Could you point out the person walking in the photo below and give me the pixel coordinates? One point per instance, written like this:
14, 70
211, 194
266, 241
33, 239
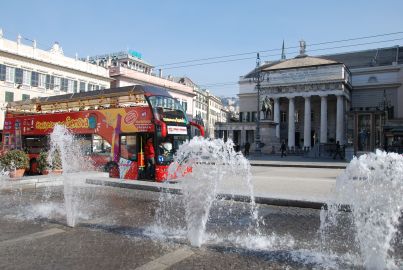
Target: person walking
247, 147
149, 154
338, 151
283, 149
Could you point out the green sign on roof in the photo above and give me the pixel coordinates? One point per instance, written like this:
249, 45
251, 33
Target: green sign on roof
135, 54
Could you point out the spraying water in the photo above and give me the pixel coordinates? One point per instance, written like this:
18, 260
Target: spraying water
63, 143
201, 165
372, 186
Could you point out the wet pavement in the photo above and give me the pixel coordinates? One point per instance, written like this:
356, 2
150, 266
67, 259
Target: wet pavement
115, 231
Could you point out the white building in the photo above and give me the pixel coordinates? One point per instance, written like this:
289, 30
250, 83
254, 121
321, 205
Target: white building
208, 109
27, 72
355, 98
215, 114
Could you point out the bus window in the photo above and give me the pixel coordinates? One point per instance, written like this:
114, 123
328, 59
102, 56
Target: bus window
34, 145
128, 147
100, 146
7, 141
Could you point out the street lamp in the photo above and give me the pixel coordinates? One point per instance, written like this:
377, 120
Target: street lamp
257, 78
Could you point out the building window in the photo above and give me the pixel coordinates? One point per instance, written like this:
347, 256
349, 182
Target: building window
18, 76
253, 116
9, 97
296, 117
75, 87
90, 87
312, 116
240, 116
25, 97
184, 106
2, 72
283, 117
34, 79
10, 74
70, 86
64, 84
42, 81
50, 82
82, 86
57, 83
26, 78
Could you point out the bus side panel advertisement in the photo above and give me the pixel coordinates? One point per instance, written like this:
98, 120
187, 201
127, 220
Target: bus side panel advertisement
102, 122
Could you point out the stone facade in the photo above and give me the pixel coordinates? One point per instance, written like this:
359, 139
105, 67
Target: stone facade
350, 98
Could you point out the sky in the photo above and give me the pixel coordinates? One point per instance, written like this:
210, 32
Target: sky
172, 31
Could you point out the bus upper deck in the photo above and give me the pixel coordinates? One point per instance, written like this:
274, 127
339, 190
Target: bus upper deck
112, 123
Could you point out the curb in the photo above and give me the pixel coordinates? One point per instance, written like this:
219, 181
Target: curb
239, 198
299, 165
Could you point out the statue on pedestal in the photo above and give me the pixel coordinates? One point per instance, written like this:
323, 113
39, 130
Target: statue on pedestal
266, 108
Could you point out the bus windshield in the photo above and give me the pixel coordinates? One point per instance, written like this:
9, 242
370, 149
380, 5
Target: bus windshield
167, 107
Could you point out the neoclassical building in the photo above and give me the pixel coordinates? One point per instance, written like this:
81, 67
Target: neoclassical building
312, 102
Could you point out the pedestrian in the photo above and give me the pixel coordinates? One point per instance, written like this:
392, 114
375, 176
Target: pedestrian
150, 158
338, 151
237, 147
283, 149
247, 146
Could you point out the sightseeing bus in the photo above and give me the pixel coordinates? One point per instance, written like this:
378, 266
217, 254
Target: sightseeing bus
111, 125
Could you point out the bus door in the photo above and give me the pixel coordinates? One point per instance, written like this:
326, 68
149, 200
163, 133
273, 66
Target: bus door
141, 161
33, 145
128, 165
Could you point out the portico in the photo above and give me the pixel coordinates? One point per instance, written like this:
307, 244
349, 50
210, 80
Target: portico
308, 99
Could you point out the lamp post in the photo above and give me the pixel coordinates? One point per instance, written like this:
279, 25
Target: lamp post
257, 78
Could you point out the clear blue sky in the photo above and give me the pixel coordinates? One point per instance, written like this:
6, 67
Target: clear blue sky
173, 31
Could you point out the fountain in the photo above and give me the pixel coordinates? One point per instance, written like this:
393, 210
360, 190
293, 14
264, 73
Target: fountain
201, 216
201, 165
74, 163
372, 187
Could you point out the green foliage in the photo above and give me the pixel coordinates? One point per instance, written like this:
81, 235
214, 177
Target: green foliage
15, 159
45, 164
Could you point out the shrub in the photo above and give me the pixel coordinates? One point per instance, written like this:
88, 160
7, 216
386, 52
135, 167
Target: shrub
15, 159
45, 164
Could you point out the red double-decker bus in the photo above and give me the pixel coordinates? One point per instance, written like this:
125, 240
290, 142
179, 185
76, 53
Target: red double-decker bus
112, 125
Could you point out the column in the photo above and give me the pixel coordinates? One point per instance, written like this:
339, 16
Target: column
277, 116
291, 122
307, 123
243, 136
340, 120
323, 119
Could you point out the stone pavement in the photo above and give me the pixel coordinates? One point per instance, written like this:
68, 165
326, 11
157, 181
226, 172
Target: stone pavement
115, 231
